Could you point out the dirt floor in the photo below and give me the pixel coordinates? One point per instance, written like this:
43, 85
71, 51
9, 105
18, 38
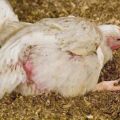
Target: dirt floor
93, 106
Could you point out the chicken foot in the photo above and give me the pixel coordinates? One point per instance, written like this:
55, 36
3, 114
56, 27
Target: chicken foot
113, 85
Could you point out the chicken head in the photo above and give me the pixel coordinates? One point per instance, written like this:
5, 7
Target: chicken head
111, 33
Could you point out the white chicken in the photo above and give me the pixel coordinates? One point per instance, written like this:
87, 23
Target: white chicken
65, 55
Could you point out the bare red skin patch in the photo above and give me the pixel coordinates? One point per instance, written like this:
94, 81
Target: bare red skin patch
28, 69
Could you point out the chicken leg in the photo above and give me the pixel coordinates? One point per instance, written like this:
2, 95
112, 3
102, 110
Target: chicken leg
113, 85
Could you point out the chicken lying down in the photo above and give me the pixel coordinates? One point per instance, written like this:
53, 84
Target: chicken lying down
65, 55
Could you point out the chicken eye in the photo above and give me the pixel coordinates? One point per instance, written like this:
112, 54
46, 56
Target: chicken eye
118, 39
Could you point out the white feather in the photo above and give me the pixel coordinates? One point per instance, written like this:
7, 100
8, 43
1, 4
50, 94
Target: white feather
6, 12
